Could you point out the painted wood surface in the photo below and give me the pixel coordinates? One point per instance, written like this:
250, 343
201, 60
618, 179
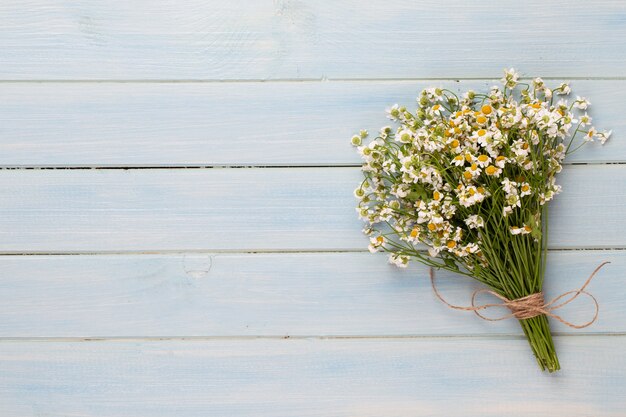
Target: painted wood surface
464, 377
247, 292
247, 209
287, 39
291, 123
299, 294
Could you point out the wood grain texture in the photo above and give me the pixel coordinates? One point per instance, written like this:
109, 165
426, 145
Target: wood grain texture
165, 124
339, 333
315, 294
246, 209
239, 39
470, 377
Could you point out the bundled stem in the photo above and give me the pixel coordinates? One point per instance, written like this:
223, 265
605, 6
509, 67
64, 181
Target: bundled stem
537, 331
516, 266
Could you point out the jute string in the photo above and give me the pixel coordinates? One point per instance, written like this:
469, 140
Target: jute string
527, 307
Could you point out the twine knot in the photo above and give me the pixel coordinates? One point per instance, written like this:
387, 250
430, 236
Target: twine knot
530, 306
526, 307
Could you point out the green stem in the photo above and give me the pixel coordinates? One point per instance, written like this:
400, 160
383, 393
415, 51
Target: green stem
537, 331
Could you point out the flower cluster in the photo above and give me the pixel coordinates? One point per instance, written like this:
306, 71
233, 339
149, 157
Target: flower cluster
464, 175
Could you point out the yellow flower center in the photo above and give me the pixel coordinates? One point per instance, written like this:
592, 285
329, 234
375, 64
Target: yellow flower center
482, 132
467, 175
432, 227
455, 143
481, 119
486, 109
468, 157
436, 107
436, 195
490, 170
483, 158
414, 233
451, 244
525, 188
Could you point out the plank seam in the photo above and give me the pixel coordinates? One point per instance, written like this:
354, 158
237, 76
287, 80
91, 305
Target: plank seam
252, 252
94, 339
220, 166
294, 80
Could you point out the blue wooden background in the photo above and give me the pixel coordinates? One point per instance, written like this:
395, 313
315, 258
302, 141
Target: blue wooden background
177, 228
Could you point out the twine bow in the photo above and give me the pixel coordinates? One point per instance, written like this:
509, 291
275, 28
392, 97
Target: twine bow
529, 306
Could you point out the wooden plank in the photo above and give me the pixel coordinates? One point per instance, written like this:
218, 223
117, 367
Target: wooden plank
323, 294
449, 377
218, 40
307, 123
246, 210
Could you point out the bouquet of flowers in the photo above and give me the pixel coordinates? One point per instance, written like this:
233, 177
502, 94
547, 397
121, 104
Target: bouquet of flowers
463, 184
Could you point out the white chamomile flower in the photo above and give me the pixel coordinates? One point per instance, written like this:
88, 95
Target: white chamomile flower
538, 83
436, 109
475, 221
604, 136
525, 189
590, 135
469, 95
563, 89
510, 78
581, 103
404, 135
433, 93
524, 230
399, 260
393, 112
493, 171
385, 131
472, 171
483, 160
376, 244
364, 213
458, 160
513, 200
472, 248
414, 235
356, 140
547, 93
585, 120
359, 193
